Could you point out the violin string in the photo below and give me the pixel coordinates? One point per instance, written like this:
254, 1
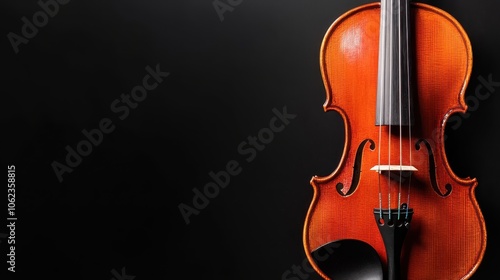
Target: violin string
400, 88
391, 59
382, 85
407, 13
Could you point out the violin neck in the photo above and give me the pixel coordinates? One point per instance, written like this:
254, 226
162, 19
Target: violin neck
394, 65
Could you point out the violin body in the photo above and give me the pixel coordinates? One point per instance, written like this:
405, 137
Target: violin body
447, 236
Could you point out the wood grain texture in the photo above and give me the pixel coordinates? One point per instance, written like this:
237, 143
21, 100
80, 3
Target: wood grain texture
447, 237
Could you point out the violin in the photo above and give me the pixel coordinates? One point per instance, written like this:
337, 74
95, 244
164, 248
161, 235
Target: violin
393, 209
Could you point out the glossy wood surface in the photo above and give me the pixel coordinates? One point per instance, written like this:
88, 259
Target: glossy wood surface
447, 237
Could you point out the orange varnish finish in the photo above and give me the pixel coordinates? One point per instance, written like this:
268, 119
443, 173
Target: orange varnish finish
447, 236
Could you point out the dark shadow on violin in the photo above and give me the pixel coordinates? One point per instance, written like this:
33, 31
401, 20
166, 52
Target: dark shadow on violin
349, 259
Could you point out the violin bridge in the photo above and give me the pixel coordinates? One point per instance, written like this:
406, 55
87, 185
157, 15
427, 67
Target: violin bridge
395, 167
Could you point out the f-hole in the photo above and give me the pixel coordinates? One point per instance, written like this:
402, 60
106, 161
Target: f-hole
357, 169
432, 169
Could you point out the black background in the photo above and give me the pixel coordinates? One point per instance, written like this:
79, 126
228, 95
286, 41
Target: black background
117, 211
